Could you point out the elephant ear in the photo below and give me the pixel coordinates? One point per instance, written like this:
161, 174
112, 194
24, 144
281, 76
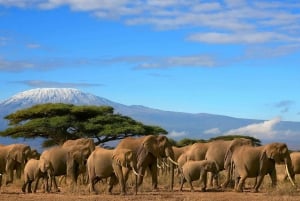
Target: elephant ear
16, 155
262, 160
148, 146
270, 150
122, 157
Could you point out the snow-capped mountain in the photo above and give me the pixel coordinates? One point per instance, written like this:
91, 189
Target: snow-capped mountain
178, 124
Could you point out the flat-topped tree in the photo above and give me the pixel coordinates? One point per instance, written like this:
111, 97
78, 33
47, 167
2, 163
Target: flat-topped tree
58, 122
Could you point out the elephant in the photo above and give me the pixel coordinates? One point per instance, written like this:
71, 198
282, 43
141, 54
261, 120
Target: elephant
85, 142
147, 150
256, 162
215, 151
295, 157
66, 161
193, 170
13, 157
33, 171
106, 163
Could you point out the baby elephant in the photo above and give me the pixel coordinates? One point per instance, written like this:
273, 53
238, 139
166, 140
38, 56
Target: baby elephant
33, 171
193, 170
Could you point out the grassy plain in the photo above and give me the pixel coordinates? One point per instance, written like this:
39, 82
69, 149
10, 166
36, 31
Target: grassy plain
283, 192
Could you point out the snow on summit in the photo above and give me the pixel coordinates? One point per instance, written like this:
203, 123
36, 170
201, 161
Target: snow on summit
53, 95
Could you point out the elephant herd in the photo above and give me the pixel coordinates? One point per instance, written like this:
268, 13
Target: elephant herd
142, 156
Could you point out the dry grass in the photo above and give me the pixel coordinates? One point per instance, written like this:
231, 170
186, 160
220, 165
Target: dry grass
284, 191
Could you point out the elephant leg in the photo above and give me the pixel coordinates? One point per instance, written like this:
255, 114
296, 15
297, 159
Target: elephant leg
92, 183
46, 184
240, 183
0, 180
53, 180
259, 181
191, 186
24, 187
36, 184
119, 174
211, 180
182, 181
153, 169
227, 178
29, 187
10, 177
203, 179
273, 177
215, 179
112, 181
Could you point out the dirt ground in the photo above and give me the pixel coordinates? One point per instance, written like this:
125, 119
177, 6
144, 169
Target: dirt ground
283, 192
12, 193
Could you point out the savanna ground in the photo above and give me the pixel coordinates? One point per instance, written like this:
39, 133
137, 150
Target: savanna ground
283, 192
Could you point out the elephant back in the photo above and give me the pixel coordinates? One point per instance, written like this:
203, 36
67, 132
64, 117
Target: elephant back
85, 142
130, 143
57, 156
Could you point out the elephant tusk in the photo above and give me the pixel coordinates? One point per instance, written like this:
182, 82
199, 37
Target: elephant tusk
174, 162
137, 174
166, 164
158, 166
289, 175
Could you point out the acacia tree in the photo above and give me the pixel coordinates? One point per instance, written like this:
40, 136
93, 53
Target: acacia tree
58, 122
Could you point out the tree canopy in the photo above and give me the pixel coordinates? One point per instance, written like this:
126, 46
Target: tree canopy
58, 122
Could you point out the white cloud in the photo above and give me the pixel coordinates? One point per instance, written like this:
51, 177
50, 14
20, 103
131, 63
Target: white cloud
264, 130
178, 61
213, 131
177, 134
255, 37
221, 22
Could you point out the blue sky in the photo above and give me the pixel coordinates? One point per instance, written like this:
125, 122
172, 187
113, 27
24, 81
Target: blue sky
232, 57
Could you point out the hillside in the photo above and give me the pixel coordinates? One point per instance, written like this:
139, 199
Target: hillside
178, 124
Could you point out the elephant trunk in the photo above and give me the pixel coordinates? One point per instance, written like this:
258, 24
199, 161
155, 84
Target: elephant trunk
289, 170
170, 155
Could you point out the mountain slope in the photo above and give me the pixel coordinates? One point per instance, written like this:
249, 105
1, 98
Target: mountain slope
178, 124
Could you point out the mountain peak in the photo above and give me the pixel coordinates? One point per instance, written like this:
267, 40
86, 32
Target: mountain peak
53, 95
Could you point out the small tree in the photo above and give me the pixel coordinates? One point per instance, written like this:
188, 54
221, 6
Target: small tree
58, 122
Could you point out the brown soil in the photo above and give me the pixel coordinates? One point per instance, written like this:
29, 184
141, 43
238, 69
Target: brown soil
12, 193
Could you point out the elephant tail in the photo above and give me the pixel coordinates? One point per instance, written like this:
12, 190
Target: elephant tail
227, 159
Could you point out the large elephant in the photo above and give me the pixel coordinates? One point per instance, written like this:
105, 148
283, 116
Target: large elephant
33, 171
256, 162
215, 151
193, 170
106, 163
66, 161
147, 150
13, 157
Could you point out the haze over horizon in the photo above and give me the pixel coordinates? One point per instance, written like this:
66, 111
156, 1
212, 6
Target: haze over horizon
234, 58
